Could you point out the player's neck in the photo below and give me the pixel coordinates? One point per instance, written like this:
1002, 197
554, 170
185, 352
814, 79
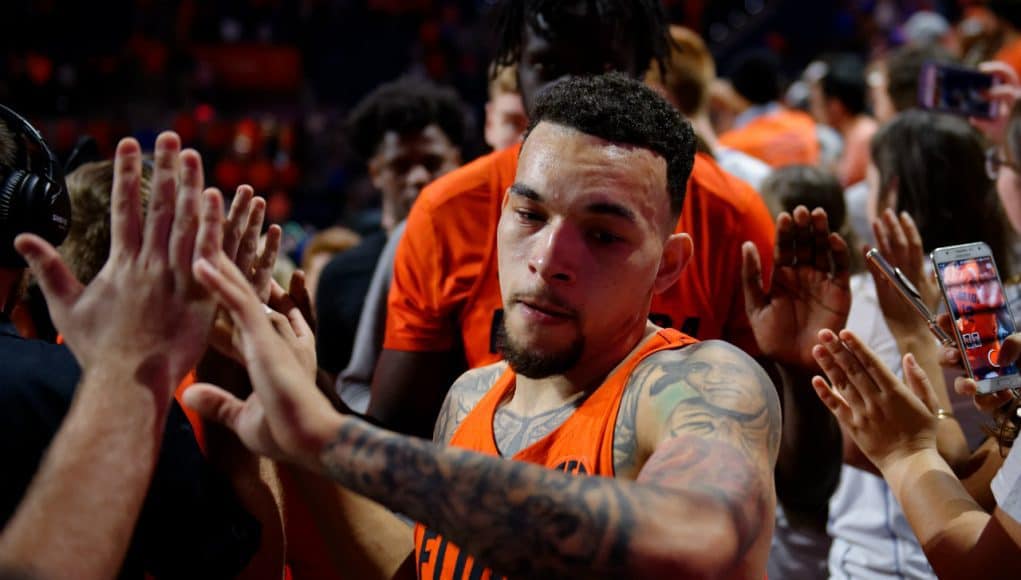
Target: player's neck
537, 395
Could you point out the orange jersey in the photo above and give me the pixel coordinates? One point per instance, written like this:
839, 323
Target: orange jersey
445, 292
783, 137
581, 445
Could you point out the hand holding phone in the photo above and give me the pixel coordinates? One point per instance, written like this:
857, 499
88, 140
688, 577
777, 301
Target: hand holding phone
982, 321
907, 292
956, 90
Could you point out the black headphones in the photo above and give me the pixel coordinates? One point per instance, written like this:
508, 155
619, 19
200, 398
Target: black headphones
33, 194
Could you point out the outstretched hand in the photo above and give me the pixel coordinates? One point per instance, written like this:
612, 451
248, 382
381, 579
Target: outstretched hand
143, 314
887, 419
898, 240
286, 417
810, 287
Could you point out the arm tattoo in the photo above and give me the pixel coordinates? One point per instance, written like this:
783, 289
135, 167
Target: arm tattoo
625, 432
721, 415
462, 397
524, 520
519, 519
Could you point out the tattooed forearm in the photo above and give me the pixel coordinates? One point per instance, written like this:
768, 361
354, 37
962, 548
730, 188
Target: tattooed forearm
520, 519
716, 469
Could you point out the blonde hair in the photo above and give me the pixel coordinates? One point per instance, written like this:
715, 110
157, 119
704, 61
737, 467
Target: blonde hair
88, 241
332, 240
689, 72
503, 80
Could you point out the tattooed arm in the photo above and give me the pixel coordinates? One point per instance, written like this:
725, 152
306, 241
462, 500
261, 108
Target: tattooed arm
462, 397
702, 506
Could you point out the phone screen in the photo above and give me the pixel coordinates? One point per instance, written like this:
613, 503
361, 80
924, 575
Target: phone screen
957, 90
978, 306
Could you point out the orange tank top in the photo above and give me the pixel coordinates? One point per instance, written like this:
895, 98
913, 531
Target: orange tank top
581, 445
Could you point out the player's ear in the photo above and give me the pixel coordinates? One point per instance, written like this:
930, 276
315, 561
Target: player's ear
677, 253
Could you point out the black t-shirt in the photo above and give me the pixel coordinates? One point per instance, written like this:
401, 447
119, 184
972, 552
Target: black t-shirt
340, 297
191, 525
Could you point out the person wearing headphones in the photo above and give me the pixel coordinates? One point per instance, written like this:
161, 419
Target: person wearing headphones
87, 407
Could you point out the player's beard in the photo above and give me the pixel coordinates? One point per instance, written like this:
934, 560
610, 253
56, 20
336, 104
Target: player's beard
537, 364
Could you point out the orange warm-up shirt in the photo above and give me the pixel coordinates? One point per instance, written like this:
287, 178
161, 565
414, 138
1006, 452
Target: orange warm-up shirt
445, 291
782, 137
582, 445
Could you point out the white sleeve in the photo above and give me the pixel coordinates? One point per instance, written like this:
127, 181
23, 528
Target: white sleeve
1006, 483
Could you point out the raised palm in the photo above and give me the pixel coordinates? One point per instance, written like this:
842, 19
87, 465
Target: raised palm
810, 288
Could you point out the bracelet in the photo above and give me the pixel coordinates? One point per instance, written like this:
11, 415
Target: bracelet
944, 414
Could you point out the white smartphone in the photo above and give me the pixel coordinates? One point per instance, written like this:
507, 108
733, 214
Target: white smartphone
975, 299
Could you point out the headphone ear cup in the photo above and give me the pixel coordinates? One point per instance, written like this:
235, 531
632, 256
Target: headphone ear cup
33, 204
10, 218
9, 200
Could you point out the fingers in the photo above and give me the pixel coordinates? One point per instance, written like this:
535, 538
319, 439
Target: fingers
1010, 349
302, 298
992, 401
214, 404
209, 239
237, 220
832, 399
299, 324
803, 241
249, 248
914, 237
896, 237
162, 198
182, 235
1003, 71
784, 252
266, 261
230, 288
755, 298
825, 355
946, 324
841, 255
881, 376
126, 200
58, 284
820, 240
919, 382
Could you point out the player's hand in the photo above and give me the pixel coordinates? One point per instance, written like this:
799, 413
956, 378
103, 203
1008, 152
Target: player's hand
887, 419
144, 314
898, 240
286, 417
810, 287
241, 245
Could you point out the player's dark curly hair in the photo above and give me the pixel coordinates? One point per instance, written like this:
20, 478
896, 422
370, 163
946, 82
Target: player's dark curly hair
405, 105
643, 20
620, 109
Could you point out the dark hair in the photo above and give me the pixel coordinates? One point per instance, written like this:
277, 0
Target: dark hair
404, 106
617, 108
845, 81
755, 75
936, 164
903, 68
643, 20
1008, 10
1012, 139
792, 185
